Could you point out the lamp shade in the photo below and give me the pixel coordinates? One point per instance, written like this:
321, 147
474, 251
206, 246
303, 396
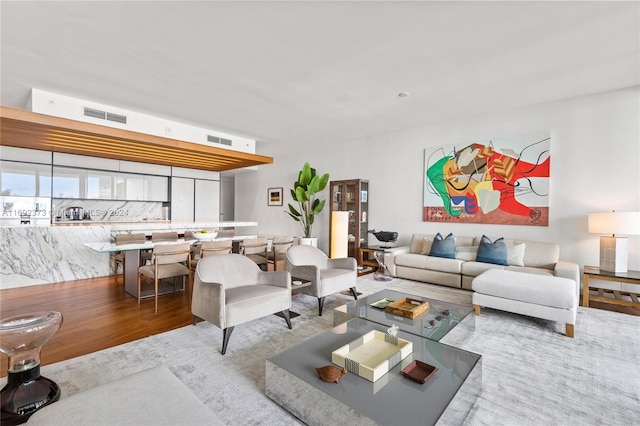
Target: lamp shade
339, 234
622, 223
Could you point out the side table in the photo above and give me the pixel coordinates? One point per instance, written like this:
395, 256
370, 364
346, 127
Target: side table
363, 256
630, 277
377, 262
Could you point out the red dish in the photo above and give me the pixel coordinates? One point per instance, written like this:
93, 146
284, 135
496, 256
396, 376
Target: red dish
418, 371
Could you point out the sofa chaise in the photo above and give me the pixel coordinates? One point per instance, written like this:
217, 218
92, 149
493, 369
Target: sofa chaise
528, 278
413, 262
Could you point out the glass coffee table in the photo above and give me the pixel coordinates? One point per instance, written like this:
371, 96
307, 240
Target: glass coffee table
448, 395
433, 324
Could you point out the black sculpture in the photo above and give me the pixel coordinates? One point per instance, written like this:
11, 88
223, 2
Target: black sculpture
385, 236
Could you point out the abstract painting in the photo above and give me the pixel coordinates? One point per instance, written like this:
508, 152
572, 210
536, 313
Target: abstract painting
499, 181
274, 196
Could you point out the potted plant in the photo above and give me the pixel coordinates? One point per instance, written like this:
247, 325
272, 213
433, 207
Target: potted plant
304, 192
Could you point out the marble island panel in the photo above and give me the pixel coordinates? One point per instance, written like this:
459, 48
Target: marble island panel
44, 254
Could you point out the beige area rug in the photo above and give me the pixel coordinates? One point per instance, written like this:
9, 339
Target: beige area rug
532, 373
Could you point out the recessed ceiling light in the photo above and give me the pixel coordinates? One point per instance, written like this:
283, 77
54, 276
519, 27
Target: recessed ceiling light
403, 94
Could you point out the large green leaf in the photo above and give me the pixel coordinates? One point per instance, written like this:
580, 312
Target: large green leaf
305, 175
317, 209
301, 195
313, 185
296, 218
293, 212
324, 180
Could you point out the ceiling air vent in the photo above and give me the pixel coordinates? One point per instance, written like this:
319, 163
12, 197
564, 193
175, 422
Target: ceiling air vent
216, 139
95, 113
118, 118
103, 115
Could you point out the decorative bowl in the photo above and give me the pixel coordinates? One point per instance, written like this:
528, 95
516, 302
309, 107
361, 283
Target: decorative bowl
205, 236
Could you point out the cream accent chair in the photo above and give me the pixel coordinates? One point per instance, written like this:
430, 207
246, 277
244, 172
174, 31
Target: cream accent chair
168, 260
279, 247
230, 289
256, 250
327, 276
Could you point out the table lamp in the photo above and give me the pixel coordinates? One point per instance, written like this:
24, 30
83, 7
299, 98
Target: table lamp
613, 249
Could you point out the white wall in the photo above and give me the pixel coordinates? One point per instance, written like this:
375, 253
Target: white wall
595, 166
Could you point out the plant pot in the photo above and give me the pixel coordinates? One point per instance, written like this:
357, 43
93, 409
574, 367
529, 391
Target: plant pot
313, 241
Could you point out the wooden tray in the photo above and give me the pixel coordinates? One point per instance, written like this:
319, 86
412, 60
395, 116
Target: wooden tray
372, 355
407, 307
418, 371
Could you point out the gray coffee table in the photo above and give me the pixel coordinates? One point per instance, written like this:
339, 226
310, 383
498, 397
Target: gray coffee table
433, 324
292, 382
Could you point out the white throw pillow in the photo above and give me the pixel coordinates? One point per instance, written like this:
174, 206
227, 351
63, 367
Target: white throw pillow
515, 254
467, 253
426, 245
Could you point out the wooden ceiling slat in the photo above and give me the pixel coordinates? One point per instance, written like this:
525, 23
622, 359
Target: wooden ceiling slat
24, 129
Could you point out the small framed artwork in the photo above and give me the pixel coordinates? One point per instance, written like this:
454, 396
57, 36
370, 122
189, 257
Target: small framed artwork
274, 196
363, 196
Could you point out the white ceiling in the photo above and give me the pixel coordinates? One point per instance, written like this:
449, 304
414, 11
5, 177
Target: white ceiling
317, 72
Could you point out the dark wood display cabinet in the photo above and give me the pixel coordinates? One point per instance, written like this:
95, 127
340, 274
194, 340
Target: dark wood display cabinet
353, 196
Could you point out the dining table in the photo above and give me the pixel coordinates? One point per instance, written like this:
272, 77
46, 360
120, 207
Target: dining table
132, 260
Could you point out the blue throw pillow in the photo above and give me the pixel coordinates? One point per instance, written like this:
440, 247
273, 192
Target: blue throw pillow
443, 247
492, 252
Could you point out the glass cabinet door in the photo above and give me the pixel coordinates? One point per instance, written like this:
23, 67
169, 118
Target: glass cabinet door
99, 185
68, 182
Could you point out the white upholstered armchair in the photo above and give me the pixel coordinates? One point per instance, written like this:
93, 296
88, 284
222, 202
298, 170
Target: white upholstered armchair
327, 276
230, 289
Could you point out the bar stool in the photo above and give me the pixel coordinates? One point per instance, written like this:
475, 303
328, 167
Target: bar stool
21, 339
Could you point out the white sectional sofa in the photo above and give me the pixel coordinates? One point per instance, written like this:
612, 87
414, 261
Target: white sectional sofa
413, 262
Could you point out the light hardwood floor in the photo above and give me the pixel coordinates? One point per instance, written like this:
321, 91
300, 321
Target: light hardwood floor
97, 314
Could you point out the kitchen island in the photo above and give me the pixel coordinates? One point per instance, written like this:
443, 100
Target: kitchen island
45, 254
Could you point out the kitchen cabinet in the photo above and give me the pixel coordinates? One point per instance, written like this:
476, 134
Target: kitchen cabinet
103, 185
182, 199
207, 200
353, 196
156, 188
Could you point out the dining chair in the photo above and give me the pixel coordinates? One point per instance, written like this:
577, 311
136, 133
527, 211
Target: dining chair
168, 260
212, 248
327, 276
226, 233
230, 289
158, 237
119, 257
279, 246
195, 248
256, 250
